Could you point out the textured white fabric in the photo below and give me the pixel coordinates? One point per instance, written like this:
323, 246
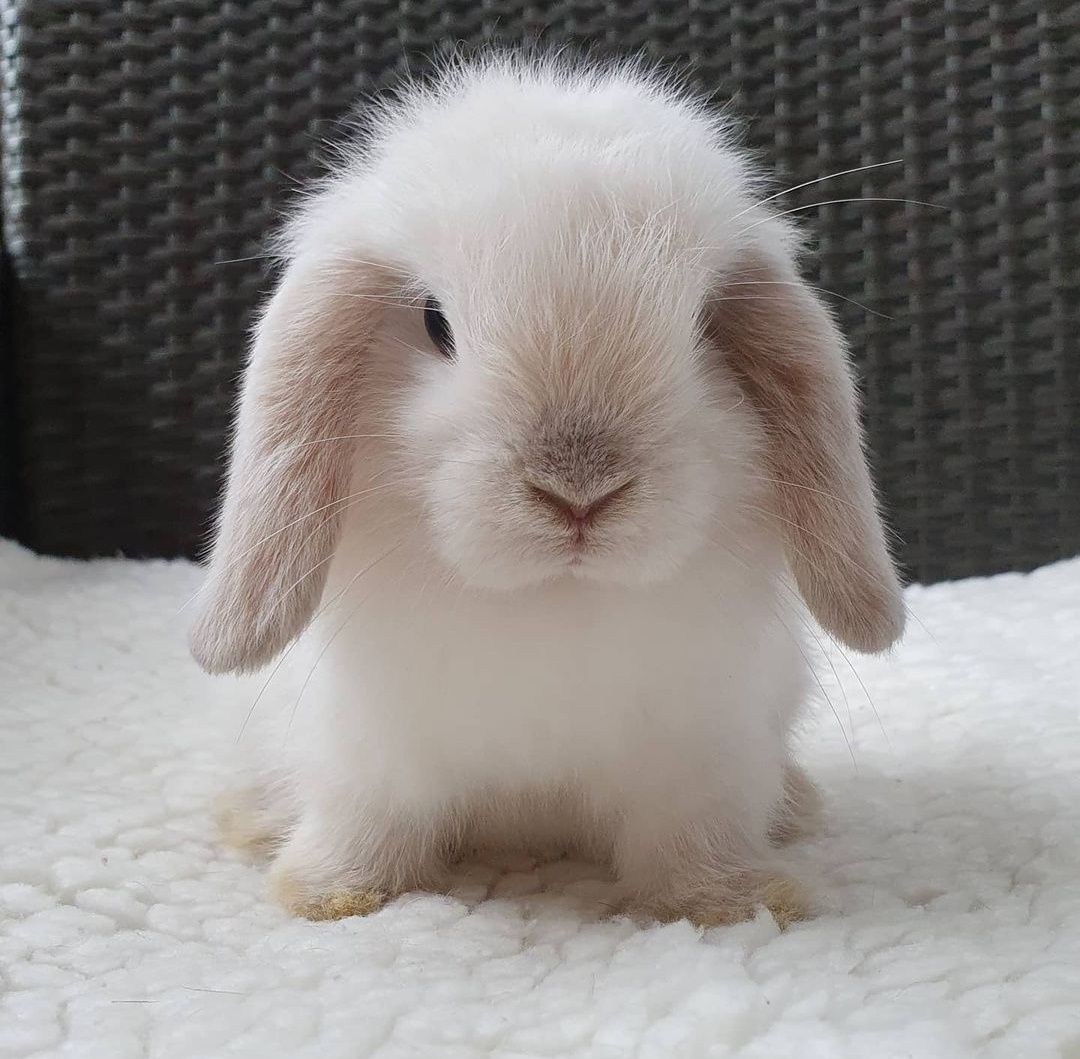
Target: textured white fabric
950, 856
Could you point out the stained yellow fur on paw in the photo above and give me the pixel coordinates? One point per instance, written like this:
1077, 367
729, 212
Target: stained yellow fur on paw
340, 904
738, 899
786, 900
719, 913
335, 904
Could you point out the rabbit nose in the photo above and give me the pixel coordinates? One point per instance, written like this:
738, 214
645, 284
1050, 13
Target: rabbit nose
575, 512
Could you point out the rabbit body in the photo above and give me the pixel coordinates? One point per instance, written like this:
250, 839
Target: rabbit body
644, 727
544, 451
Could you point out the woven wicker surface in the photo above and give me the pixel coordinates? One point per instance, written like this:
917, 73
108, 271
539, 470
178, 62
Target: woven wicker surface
148, 145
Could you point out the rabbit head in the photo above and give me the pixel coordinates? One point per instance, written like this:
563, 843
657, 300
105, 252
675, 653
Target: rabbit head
586, 348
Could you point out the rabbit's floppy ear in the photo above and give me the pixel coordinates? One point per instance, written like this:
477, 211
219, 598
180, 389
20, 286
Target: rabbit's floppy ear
783, 348
291, 464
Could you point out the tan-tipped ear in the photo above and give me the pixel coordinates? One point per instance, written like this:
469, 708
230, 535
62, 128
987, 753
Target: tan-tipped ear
791, 361
280, 516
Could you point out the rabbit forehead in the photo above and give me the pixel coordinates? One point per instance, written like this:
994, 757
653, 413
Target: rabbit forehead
531, 110
508, 152
517, 203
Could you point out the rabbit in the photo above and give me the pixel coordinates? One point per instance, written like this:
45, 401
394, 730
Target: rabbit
547, 455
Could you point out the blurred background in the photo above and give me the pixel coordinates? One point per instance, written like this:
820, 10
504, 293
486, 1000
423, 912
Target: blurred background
148, 147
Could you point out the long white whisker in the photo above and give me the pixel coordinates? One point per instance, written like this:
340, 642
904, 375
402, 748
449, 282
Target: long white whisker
837, 202
240, 260
346, 437
821, 687
796, 597
337, 632
865, 690
835, 548
289, 525
314, 618
807, 488
798, 646
816, 180
811, 286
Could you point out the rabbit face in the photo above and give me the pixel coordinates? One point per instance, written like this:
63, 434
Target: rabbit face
567, 419
621, 364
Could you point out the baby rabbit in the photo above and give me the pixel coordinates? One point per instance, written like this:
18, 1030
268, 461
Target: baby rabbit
549, 449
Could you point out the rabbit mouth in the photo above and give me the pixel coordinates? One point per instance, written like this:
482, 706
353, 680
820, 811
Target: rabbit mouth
577, 552
583, 555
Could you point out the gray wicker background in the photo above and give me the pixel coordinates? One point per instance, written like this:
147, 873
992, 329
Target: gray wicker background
149, 144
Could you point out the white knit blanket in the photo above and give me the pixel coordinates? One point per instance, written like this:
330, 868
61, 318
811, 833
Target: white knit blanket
951, 856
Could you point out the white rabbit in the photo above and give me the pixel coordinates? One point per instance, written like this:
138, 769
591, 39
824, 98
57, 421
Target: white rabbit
539, 433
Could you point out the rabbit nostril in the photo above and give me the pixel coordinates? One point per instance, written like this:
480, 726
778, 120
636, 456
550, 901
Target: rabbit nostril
573, 512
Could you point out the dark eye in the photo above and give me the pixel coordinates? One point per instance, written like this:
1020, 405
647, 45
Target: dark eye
438, 329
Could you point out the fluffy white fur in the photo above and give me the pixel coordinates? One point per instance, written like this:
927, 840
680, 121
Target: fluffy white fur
479, 670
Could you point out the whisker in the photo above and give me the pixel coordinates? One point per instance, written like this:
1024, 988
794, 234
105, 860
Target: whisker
240, 260
344, 259
807, 488
281, 661
821, 687
743, 298
382, 299
823, 651
289, 525
844, 655
798, 646
865, 690
836, 549
816, 180
347, 437
281, 598
337, 632
796, 596
837, 202
810, 286
918, 621
266, 684
409, 346
303, 577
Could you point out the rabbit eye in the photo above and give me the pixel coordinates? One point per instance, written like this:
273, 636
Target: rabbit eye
438, 329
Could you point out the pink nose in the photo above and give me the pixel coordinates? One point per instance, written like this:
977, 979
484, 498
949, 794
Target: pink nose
573, 512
